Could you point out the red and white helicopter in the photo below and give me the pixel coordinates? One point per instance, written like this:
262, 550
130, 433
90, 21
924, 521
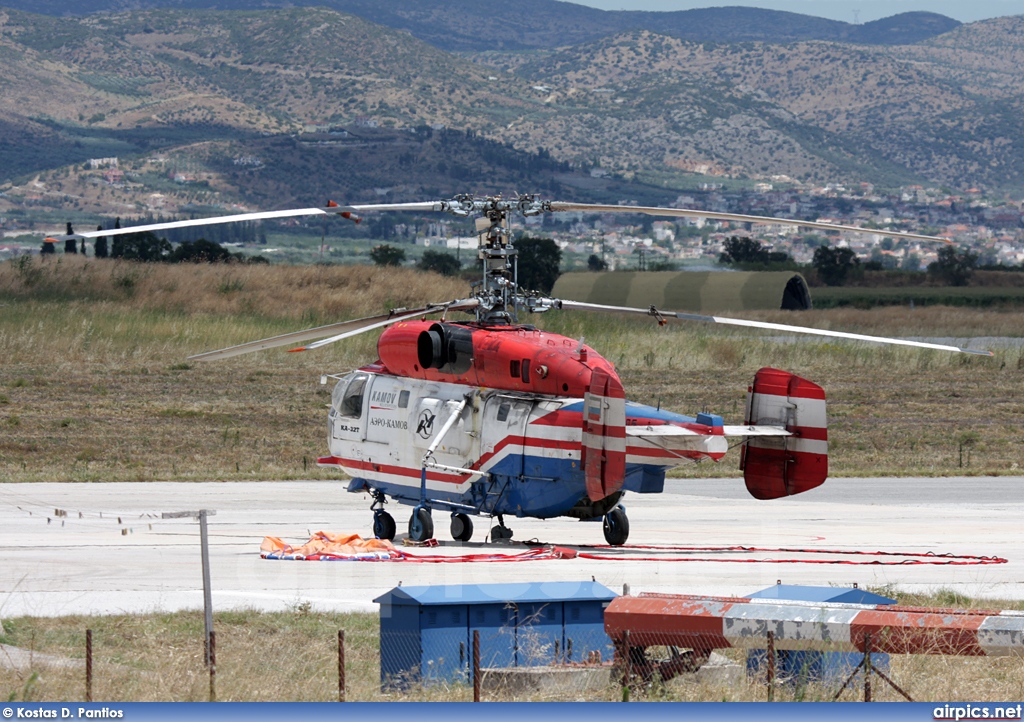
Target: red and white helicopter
492, 417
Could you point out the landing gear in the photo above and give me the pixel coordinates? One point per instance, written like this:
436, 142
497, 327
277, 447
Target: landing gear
383, 525
616, 527
500, 532
421, 525
462, 527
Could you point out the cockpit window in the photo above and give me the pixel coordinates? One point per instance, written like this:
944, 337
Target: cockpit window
352, 401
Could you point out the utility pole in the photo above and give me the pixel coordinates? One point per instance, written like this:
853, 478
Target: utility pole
204, 543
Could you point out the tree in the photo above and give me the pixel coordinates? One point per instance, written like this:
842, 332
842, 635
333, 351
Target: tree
596, 263
140, 247
48, 248
444, 263
743, 250
953, 266
739, 250
100, 245
200, 251
385, 255
834, 264
539, 261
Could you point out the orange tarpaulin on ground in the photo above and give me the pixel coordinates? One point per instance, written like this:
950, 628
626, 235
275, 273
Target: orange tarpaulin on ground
329, 545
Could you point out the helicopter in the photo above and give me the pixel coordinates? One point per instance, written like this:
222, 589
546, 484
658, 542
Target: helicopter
496, 418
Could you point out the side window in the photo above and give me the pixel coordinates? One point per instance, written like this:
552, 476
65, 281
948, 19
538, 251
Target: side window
503, 412
403, 399
352, 403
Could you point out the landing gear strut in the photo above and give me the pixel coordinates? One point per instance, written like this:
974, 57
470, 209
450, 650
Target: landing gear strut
500, 532
616, 526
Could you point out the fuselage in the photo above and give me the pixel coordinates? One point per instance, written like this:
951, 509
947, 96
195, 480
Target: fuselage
516, 446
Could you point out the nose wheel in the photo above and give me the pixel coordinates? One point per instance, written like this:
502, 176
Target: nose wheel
383, 525
616, 527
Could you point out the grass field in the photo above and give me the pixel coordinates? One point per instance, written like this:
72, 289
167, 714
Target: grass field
95, 386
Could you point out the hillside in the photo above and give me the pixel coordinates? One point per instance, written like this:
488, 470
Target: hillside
253, 107
472, 25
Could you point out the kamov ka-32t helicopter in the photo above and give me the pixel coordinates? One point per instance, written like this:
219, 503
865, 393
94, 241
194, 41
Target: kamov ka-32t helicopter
492, 417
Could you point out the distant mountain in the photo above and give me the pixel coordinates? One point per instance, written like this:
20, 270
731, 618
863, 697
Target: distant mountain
478, 25
246, 102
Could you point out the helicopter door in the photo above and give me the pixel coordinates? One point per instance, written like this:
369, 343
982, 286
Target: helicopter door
504, 430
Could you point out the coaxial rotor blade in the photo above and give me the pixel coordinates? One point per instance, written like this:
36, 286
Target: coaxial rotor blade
348, 328
559, 206
345, 211
453, 306
657, 313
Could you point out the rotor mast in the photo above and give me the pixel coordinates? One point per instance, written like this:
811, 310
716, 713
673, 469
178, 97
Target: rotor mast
498, 290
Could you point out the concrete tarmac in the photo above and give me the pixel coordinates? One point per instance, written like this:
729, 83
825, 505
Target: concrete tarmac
113, 552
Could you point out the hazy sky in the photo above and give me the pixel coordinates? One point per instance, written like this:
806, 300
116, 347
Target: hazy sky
961, 10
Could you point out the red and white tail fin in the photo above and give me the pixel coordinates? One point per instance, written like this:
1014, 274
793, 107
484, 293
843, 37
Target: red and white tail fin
777, 466
604, 435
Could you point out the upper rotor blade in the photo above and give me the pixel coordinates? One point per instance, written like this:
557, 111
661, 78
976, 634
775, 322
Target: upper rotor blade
771, 326
348, 328
215, 220
558, 206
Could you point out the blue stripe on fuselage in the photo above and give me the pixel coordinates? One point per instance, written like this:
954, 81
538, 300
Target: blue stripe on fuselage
641, 412
547, 488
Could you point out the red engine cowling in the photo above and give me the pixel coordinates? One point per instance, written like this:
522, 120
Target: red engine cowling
511, 358
777, 466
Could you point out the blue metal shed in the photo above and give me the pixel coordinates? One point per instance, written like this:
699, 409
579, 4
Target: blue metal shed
806, 666
426, 633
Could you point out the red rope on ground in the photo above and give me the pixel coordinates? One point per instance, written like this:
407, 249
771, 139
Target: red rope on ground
626, 554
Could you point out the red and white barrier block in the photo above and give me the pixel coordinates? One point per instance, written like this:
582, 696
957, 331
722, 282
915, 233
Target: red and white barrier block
706, 623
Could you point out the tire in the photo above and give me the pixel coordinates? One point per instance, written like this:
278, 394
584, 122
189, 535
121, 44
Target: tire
421, 526
500, 532
462, 528
384, 526
616, 527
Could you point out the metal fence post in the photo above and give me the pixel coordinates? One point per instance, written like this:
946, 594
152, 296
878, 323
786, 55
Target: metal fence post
476, 665
88, 665
771, 666
213, 665
341, 665
867, 667
627, 667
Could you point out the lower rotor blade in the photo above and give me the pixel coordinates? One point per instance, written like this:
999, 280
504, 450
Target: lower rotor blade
770, 326
347, 329
454, 306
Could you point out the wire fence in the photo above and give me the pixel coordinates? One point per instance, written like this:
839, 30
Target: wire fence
261, 663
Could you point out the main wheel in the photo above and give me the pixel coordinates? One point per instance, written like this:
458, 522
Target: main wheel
462, 527
616, 527
500, 532
421, 526
384, 525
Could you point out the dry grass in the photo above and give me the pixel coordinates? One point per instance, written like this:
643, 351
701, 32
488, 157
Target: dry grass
94, 385
292, 656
